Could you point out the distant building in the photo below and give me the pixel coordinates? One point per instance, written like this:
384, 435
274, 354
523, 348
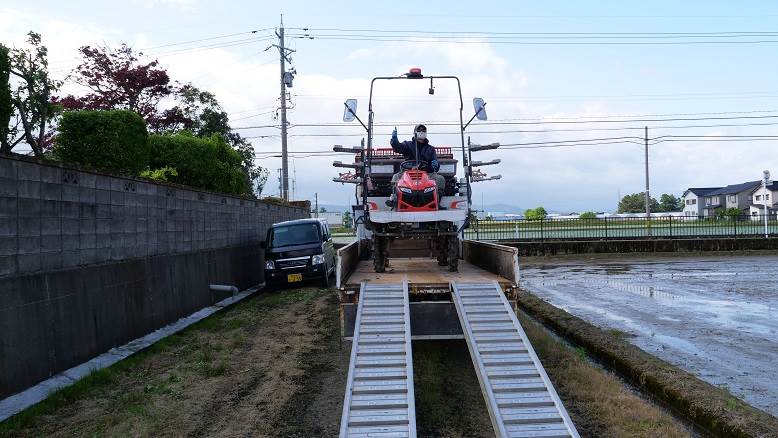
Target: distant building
760, 197
694, 200
732, 196
334, 219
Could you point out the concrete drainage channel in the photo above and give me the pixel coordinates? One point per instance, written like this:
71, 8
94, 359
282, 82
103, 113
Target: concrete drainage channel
33, 395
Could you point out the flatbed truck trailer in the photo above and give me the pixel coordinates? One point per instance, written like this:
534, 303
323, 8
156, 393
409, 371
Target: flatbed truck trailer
416, 299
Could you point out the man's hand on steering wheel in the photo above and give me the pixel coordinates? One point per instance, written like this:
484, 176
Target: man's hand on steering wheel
414, 164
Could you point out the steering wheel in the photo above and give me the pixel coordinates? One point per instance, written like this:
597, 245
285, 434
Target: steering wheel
414, 164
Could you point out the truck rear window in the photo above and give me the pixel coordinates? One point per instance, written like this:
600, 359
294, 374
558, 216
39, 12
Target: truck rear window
294, 235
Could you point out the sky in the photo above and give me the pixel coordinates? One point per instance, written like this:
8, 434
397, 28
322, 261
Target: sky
571, 80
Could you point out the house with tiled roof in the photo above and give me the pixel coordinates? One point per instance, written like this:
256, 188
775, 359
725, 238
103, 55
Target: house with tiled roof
762, 196
732, 196
693, 200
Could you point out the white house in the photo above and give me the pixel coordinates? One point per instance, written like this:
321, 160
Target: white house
694, 201
333, 218
760, 197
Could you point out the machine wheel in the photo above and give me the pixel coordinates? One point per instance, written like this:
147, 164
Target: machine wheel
453, 254
379, 253
442, 250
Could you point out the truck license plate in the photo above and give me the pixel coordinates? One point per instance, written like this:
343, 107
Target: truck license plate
291, 278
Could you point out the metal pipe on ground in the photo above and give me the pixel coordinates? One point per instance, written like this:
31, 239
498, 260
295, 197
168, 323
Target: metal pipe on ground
224, 288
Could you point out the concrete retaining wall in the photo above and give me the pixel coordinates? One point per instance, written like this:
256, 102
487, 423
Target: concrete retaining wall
91, 261
54, 217
52, 321
551, 248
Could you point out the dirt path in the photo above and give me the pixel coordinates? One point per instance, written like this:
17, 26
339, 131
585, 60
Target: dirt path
275, 365
249, 371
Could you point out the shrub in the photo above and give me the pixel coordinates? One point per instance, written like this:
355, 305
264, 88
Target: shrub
208, 163
161, 174
731, 212
114, 141
535, 214
588, 215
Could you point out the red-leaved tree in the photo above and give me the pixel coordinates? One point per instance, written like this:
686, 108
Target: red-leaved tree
117, 80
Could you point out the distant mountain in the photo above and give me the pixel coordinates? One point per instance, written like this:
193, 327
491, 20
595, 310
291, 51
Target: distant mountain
490, 208
499, 208
333, 207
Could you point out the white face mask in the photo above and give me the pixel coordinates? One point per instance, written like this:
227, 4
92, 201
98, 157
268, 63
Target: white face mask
421, 135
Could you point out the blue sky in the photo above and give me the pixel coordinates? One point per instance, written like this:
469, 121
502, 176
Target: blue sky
519, 81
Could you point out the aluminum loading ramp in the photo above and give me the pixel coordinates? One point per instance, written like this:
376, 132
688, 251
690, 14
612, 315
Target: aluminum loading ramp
521, 400
379, 399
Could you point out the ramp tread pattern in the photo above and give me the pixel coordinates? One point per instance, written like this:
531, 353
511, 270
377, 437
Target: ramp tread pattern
379, 399
520, 398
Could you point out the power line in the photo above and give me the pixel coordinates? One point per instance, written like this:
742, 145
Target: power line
625, 97
543, 122
180, 43
219, 45
568, 143
527, 43
253, 115
442, 32
213, 46
544, 131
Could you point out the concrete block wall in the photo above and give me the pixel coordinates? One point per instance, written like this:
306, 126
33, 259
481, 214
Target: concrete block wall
52, 321
54, 217
90, 261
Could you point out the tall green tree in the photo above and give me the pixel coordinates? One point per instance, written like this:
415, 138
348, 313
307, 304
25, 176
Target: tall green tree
31, 96
199, 112
668, 202
636, 203
118, 79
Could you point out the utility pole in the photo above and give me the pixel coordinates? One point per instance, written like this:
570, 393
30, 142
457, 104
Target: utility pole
316, 205
286, 80
766, 182
648, 195
280, 184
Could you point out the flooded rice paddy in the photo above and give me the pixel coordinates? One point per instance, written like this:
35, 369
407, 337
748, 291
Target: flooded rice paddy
716, 317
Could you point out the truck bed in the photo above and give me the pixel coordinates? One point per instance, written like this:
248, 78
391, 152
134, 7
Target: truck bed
419, 270
480, 263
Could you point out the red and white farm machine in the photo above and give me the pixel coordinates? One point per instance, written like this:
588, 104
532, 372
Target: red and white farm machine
414, 212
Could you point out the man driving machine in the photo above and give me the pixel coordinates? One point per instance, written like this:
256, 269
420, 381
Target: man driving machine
418, 149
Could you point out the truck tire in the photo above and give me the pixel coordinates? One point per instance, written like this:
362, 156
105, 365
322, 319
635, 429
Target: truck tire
379, 254
442, 251
453, 254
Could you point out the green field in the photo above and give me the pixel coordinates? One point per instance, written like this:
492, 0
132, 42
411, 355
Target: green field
615, 229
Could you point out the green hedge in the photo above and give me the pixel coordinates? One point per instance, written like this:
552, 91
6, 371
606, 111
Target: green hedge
114, 141
209, 163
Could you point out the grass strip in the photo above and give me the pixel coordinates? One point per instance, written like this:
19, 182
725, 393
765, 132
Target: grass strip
184, 345
701, 403
596, 400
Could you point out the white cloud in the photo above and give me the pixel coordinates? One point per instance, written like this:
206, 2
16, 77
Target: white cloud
181, 4
577, 178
